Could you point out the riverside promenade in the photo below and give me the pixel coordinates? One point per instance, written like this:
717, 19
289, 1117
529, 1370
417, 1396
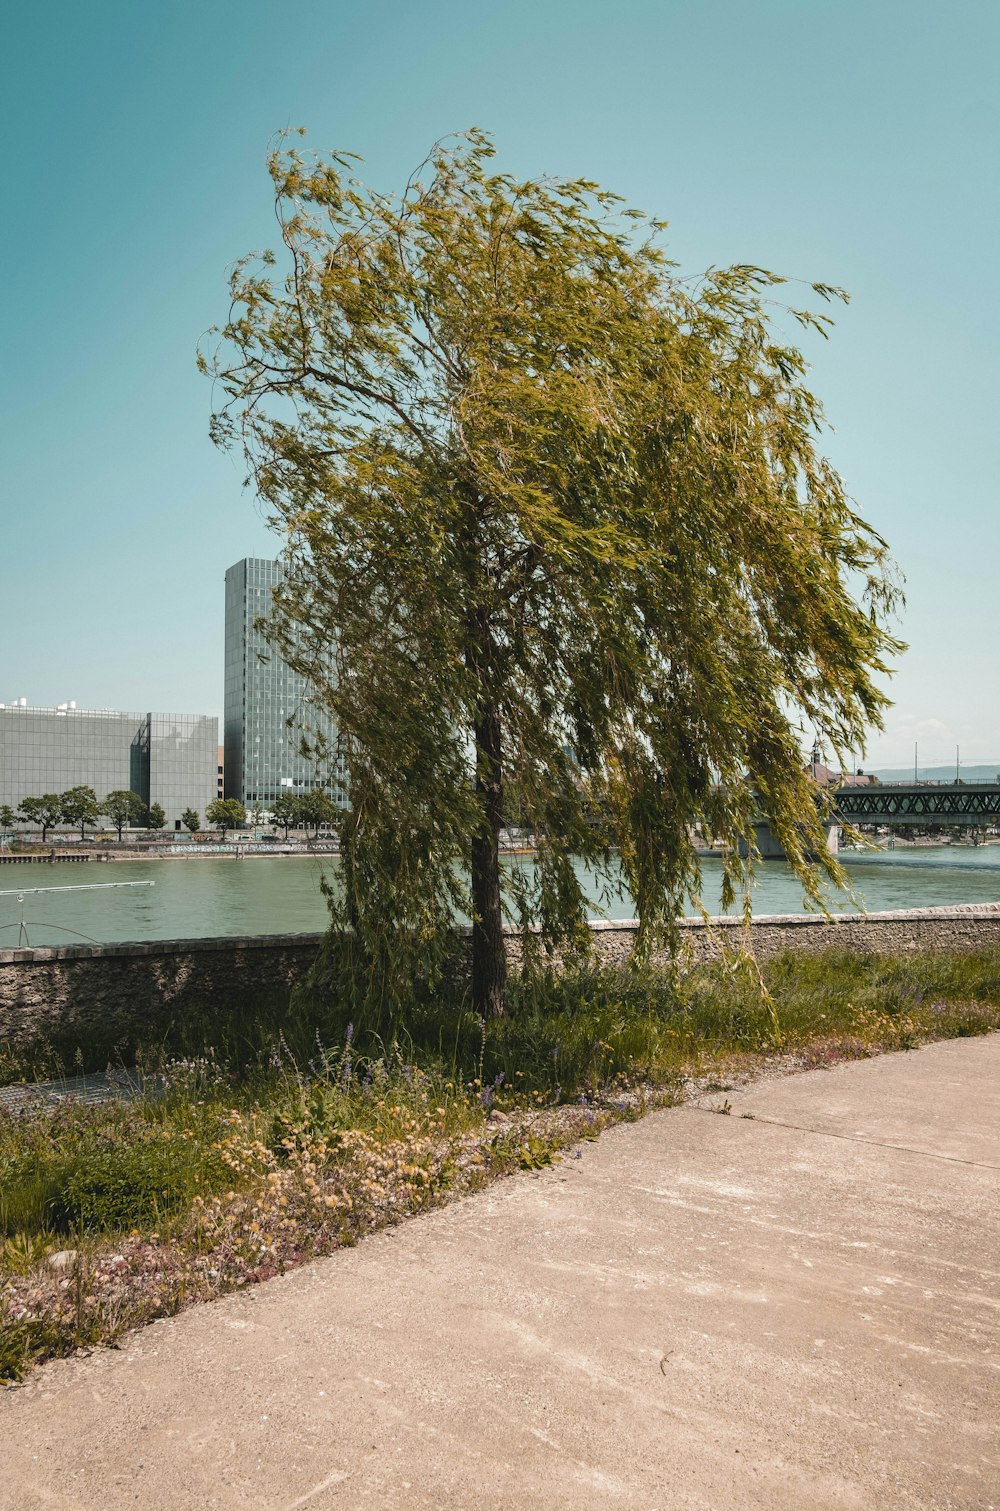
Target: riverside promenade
783, 1297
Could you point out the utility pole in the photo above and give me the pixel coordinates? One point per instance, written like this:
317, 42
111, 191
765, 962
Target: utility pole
914, 763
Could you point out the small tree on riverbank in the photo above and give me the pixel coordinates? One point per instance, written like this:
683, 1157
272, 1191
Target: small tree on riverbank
80, 806
558, 538
226, 813
44, 812
155, 818
191, 820
123, 809
314, 809
285, 810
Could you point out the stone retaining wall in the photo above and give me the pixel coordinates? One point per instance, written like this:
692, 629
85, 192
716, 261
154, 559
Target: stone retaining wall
44, 991
966, 927
69, 987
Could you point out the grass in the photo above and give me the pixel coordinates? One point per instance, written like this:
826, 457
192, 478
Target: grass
261, 1146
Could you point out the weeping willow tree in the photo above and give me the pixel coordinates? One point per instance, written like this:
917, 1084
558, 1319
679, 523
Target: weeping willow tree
559, 542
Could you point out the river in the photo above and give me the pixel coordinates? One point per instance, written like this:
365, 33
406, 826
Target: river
200, 897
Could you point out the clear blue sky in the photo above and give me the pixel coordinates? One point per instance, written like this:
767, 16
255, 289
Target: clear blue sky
851, 142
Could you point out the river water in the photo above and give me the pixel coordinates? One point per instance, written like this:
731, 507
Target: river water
200, 897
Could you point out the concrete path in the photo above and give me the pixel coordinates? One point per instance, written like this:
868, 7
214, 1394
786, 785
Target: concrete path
792, 1306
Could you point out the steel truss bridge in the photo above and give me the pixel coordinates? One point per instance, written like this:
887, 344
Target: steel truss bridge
975, 805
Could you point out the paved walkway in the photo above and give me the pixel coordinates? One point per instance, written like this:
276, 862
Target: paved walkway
792, 1306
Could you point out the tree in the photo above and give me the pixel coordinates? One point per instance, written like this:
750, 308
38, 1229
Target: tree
226, 813
8, 818
123, 809
286, 810
79, 805
317, 808
547, 502
191, 820
43, 811
155, 818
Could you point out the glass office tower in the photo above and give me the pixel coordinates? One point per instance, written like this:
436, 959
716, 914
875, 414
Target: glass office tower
263, 756
168, 759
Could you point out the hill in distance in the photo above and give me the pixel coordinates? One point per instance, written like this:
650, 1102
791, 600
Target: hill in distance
983, 772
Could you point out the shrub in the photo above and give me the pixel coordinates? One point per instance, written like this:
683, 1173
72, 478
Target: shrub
118, 1188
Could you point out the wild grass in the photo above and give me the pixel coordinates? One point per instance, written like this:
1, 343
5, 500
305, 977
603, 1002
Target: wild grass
258, 1144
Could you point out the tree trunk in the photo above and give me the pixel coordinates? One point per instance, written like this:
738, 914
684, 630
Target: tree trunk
489, 949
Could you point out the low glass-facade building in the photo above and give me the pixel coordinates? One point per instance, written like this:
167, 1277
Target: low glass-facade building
183, 763
168, 759
263, 754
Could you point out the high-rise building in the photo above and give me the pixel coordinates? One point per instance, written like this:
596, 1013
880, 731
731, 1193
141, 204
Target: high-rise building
269, 708
168, 759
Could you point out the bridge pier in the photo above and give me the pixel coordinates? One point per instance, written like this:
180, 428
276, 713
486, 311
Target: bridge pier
770, 848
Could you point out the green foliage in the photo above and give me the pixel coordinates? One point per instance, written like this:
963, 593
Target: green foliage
226, 813
41, 811
191, 820
105, 1168
305, 810
135, 1185
313, 809
8, 818
22, 1250
21, 1343
123, 809
155, 818
547, 501
285, 811
28, 1193
588, 1027
80, 806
